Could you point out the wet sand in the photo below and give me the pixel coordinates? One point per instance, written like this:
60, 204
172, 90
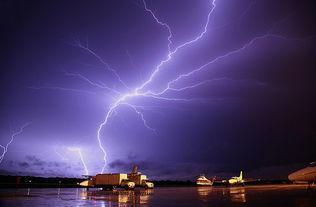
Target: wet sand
264, 195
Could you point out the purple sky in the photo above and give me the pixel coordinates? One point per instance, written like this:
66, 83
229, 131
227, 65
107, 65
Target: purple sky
73, 68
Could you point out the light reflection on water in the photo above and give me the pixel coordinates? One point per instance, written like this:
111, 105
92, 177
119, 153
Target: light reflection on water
119, 196
260, 196
235, 194
74, 197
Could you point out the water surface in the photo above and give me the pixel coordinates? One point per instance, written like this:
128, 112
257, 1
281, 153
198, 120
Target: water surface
267, 196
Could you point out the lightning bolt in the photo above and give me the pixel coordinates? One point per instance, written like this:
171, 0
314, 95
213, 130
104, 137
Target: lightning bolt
240, 17
218, 58
172, 53
138, 91
92, 83
5, 147
121, 99
78, 150
103, 62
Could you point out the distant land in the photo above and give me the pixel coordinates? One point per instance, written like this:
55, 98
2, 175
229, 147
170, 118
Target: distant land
8, 181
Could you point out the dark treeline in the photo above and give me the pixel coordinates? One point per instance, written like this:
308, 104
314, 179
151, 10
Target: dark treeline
162, 183
30, 181
7, 181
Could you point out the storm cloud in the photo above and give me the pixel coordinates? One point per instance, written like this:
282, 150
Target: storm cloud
251, 107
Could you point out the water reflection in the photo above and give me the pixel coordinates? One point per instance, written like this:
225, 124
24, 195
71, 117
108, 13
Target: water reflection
204, 192
119, 197
237, 194
281, 195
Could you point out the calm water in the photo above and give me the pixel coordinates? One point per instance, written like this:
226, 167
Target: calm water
267, 196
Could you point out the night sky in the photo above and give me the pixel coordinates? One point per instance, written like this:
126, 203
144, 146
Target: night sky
237, 91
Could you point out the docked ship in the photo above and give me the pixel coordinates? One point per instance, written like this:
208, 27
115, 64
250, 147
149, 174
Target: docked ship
203, 181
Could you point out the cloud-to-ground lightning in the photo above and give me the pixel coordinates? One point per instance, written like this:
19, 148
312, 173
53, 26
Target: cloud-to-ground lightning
14, 134
142, 90
138, 90
78, 150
